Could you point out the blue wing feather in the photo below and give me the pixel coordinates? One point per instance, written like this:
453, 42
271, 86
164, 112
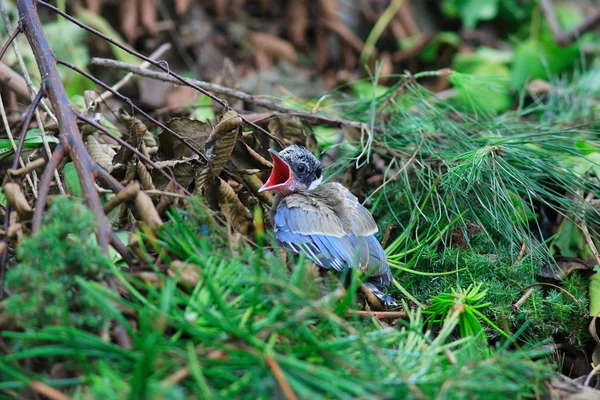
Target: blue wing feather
327, 251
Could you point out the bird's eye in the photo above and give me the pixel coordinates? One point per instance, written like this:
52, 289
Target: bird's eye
301, 168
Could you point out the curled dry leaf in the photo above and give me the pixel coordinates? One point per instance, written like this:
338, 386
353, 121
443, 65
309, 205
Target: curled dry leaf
274, 47
231, 206
222, 140
103, 154
148, 13
94, 6
254, 183
230, 78
292, 131
147, 211
165, 200
566, 266
184, 171
184, 272
244, 159
298, 17
17, 200
181, 6
195, 132
129, 19
327, 9
145, 176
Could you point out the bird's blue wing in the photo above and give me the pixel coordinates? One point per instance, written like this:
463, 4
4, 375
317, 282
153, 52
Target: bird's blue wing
326, 250
379, 269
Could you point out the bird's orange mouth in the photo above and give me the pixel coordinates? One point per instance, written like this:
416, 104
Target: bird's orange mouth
281, 176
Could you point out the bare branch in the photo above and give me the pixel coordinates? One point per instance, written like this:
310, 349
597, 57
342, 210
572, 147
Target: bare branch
256, 100
566, 38
67, 122
10, 39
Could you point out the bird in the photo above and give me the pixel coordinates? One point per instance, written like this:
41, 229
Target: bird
324, 221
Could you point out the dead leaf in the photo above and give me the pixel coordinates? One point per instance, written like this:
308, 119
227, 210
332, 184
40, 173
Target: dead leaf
129, 19
562, 388
563, 268
231, 206
184, 272
254, 183
148, 13
298, 16
103, 154
181, 96
327, 9
229, 77
181, 6
222, 140
17, 200
291, 129
195, 132
183, 170
275, 47
244, 159
147, 211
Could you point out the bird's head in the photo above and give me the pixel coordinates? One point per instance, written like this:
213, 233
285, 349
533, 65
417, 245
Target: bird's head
294, 169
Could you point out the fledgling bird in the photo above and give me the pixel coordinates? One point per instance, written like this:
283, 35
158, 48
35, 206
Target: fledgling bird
324, 221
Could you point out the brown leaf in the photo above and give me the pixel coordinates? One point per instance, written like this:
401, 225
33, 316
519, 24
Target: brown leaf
129, 19
298, 15
181, 6
183, 170
291, 129
245, 159
254, 183
231, 206
184, 272
17, 200
230, 78
103, 154
563, 268
222, 140
275, 47
147, 211
221, 8
327, 9
181, 96
148, 12
94, 6
195, 132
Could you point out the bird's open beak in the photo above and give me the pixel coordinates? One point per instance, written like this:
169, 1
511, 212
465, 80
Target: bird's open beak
281, 176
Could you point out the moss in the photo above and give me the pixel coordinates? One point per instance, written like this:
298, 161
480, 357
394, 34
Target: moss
43, 285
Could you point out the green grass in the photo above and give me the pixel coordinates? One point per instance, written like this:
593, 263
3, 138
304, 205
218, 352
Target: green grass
468, 197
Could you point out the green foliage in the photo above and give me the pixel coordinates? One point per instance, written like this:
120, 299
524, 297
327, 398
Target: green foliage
33, 139
44, 286
464, 303
248, 311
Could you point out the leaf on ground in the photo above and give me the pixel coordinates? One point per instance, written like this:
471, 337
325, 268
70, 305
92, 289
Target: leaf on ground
102, 153
195, 132
274, 47
244, 159
183, 170
222, 140
292, 131
236, 213
566, 265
